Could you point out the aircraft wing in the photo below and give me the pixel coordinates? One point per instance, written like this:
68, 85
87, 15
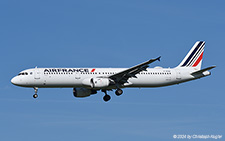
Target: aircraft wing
123, 76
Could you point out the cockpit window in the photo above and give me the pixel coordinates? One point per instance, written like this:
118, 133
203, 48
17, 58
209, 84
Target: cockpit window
23, 73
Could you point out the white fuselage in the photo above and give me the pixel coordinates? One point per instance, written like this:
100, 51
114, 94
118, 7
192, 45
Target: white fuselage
74, 77
87, 81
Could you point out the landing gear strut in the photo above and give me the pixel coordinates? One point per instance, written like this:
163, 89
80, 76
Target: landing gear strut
119, 92
35, 92
106, 97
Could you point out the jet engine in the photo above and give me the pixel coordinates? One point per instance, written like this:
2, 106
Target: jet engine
83, 92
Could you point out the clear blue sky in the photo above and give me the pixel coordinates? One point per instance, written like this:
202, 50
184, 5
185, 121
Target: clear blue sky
99, 33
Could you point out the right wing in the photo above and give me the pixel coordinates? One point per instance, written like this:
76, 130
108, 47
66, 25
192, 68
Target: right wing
123, 76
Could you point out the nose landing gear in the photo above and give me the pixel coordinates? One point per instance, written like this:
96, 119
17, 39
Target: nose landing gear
35, 92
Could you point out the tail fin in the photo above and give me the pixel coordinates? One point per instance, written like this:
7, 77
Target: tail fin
194, 56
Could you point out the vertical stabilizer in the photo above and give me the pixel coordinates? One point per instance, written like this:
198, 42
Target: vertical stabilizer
194, 56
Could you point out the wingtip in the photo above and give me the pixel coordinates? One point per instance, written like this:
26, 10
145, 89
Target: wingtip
159, 58
214, 66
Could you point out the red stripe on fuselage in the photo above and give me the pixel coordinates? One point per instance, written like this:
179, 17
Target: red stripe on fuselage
199, 59
92, 70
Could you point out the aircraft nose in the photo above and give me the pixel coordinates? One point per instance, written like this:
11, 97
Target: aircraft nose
14, 80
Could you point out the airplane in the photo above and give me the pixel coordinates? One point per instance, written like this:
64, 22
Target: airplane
87, 81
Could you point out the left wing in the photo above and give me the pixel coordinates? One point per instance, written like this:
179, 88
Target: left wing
123, 76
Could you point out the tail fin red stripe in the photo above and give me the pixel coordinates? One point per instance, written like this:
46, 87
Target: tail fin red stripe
199, 59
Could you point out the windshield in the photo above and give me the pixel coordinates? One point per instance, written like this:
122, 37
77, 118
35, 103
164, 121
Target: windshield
23, 73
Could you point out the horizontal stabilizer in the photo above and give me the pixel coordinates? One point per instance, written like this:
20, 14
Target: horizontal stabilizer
203, 70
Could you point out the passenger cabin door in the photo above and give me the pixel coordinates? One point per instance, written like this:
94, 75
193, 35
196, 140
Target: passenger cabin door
37, 73
77, 75
178, 75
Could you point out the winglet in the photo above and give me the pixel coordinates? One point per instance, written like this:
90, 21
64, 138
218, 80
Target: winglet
159, 58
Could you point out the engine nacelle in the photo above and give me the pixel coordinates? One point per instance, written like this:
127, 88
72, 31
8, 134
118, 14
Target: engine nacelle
83, 92
97, 82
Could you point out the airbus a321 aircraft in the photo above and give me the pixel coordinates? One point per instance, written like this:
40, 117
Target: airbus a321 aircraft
87, 81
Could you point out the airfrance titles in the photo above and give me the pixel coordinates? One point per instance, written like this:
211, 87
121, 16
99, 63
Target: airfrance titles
70, 70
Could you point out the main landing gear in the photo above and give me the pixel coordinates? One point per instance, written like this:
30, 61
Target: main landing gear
119, 92
35, 92
107, 97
